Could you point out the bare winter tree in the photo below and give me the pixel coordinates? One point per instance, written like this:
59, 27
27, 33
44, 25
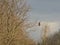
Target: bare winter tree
53, 40
13, 23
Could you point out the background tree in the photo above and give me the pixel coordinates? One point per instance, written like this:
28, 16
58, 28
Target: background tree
13, 23
53, 40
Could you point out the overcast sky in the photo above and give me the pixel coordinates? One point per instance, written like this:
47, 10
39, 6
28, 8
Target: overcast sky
45, 10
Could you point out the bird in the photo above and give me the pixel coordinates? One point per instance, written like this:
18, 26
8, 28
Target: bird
39, 24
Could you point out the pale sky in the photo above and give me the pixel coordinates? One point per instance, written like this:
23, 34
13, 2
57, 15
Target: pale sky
37, 32
45, 10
